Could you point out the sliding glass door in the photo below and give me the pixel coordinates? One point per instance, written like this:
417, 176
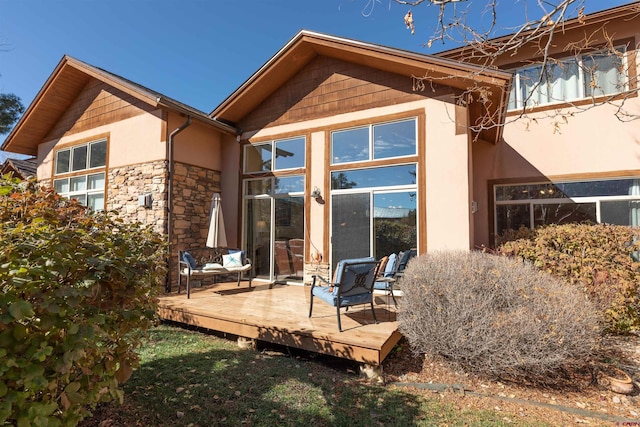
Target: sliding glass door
376, 222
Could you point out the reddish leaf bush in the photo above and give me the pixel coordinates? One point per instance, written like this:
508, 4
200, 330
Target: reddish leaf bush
600, 259
495, 316
77, 289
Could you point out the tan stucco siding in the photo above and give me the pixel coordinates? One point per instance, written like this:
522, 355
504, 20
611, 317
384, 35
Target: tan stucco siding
447, 181
445, 166
132, 141
594, 144
198, 144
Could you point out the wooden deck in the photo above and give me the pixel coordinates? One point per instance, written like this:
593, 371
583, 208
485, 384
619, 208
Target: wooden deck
279, 314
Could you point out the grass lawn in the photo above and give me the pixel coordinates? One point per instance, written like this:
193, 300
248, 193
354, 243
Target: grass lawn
188, 378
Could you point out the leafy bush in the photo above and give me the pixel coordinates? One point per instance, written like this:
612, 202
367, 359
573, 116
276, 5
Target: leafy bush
596, 258
76, 290
495, 316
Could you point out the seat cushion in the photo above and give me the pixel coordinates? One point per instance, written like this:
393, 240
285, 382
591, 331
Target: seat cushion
188, 258
390, 268
325, 294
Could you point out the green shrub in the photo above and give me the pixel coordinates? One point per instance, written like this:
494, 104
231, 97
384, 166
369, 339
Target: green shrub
495, 316
77, 289
596, 258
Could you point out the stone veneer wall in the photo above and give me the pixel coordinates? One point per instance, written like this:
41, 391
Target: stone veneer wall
125, 184
193, 188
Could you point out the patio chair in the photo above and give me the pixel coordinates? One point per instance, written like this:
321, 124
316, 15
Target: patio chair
386, 279
394, 269
352, 285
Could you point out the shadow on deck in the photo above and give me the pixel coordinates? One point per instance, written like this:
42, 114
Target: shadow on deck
279, 314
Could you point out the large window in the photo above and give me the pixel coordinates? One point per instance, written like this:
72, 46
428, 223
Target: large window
79, 173
594, 74
274, 208
374, 142
373, 208
613, 201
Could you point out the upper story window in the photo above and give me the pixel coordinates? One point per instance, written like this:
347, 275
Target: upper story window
69, 179
275, 155
374, 142
81, 157
589, 75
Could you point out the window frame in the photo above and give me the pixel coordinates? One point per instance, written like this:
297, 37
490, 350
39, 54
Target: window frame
371, 143
273, 148
85, 174
532, 202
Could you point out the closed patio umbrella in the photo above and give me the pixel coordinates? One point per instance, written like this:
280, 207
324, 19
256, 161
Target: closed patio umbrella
216, 236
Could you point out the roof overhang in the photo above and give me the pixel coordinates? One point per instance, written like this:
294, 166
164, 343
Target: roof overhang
306, 45
63, 86
627, 11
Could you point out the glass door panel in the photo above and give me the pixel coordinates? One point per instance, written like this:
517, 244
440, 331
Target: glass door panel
289, 238
350, 229
258, 235
394, 222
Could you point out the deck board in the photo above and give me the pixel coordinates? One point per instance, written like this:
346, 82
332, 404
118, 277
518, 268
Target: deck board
279, 314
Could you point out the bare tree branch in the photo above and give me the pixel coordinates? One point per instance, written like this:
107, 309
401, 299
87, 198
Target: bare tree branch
534, 39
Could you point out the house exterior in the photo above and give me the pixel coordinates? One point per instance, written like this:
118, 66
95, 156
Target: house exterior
19, 168
328, 151
566, 160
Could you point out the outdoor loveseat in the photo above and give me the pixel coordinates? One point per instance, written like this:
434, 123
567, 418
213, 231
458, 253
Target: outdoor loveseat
211, 262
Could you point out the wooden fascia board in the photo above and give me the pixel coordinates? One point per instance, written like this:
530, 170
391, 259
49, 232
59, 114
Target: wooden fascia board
598, 18
306, 46
97, 74
452, 73
9, 144
277, 70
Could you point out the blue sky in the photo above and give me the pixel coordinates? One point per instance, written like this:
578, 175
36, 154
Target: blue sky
196, 51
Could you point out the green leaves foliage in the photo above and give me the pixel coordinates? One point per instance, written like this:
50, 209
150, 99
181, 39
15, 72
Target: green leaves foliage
601, 259
78, 288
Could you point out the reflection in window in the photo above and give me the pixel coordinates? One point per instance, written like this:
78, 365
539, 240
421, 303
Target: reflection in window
613, 201
564, 213
81, 157
275, 155
374, 177
374, 142
512, 217
87, 189
350, 145
566, 190
394, 222
289, 184
281, 184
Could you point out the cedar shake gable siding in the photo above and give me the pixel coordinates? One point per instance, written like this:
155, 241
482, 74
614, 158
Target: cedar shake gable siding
329, 86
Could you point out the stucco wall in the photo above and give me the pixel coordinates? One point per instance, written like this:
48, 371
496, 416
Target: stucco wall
132, 141
593, 144
447, 204
446, 170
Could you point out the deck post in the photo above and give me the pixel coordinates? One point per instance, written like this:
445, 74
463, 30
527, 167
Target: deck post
246, 343
371, 372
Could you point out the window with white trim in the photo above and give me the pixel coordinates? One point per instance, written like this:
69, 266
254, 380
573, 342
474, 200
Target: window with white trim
69, 179
569, 79
611, 201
